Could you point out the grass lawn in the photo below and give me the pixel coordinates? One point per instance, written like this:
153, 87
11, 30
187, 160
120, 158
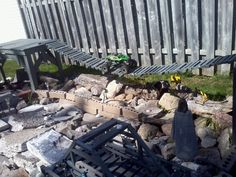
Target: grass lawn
216, 87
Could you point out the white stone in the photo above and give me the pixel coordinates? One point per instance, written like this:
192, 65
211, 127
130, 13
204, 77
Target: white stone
208, 142
113, 88
169, 102
52, 107
31, 108
3, 125
50, 147
83, 92
191, 165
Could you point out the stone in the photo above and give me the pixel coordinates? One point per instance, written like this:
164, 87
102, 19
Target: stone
90, 119
130, 91
150, 108
209, 155
200, 122
169, 102
96, 90
113, 88
5, 161
53, 107
168, 151
89, 80
191, 165
16, 142
26, 120
166, 129
120, 97
134, 123
44, 101
129, 97
21, 104
224, 141
20, 172
69, 111
208, 142
68, 85
26, 160
50, 147
205, 132
223, 120
32, 108
83, 92
147, 131
3, 125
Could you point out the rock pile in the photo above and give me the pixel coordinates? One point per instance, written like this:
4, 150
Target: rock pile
37, 133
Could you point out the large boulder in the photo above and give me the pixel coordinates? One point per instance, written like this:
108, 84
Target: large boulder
147, 131
113, 88
169, 102
224, 141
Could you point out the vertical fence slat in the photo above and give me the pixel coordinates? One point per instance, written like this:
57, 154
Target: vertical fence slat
73, 24
81, 24
165, 21
44, 20
109, 25
154, 29
34, 25
227, 31
65, 25
178, 28
57, 22
99, 25
208, 32
50, 19
38, 21
192, 29
25, 15
129, 19
143, 33
91, 27
119, 26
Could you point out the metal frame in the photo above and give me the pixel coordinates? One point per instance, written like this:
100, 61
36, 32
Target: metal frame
113, 149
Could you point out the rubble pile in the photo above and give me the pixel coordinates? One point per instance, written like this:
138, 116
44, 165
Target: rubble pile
40, 134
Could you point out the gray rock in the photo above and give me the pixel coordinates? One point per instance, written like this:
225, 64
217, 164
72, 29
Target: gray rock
208, 142
205, 132
147, 131
90, 119
6, 172
3, 125
134, 123
200, 122
32, 108
166, 129
113, 88
44, 101
16, 142
191, 165
83, 92
22, 104
26, 160
169, 102
96, 90
210, 155
50, 147
223, 120
89, 80
149, 108
69, 111
168, 151
53, 107
224, 141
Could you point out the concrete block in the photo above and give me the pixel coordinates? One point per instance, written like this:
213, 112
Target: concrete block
3, 125
50, 147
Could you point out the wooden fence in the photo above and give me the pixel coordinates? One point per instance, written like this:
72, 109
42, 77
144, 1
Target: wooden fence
150, 31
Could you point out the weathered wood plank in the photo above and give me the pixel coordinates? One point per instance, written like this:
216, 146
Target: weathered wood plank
74, 29
65, 25
208, 32
82, 27
143, 33
26, 19
50, 20
129, 20
44, 20
178, 29
166, 31
99, 26
192, 29
91, 27
226, 21
154, 28
31, 16
119, 26
38, 21
57, 22
109, 25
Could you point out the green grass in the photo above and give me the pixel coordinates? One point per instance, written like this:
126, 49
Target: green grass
216, 87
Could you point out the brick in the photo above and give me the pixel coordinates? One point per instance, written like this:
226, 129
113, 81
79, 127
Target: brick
57, 94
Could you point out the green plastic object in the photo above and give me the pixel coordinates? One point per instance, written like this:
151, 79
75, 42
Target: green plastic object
118, 58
